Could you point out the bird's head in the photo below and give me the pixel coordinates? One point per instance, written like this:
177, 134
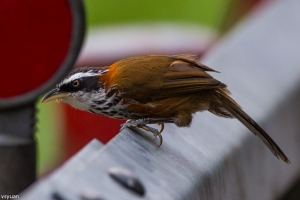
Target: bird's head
80, 87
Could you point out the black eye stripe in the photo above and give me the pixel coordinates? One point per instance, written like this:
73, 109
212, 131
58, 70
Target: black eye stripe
89, 83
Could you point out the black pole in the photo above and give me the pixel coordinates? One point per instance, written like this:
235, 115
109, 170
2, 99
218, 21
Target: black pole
17, 149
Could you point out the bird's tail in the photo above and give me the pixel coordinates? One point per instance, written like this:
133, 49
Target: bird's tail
229, 108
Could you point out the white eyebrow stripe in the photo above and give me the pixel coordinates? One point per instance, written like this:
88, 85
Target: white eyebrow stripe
80, 75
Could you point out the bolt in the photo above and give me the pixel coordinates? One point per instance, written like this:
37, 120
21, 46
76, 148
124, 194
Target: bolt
126, 179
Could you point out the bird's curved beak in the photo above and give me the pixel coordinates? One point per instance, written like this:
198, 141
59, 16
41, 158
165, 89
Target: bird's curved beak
54, 94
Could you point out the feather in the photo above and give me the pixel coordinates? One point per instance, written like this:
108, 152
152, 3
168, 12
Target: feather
157, 76
245, 119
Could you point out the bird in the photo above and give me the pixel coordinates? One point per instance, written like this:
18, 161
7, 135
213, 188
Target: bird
154, 89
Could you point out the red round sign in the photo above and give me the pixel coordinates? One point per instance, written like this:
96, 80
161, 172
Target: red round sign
37, 41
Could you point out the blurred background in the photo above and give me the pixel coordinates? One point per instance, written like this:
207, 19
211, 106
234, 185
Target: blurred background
117, 29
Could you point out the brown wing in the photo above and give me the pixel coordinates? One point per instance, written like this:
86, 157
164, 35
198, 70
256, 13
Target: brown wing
146, 78
184, 77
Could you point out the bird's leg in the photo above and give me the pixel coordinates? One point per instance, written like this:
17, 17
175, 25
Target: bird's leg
142, 123
155, 133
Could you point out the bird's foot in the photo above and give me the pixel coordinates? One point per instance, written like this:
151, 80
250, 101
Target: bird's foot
143, 125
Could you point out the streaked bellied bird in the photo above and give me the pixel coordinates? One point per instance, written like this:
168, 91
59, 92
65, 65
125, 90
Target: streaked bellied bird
154, 89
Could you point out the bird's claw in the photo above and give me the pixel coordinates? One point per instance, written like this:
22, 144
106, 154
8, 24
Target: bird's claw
155, 133
142, 124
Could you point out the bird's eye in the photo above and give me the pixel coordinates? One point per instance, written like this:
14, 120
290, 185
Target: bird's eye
75, 83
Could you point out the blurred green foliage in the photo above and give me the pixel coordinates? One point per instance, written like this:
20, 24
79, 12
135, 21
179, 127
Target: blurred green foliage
49, 136
206, 12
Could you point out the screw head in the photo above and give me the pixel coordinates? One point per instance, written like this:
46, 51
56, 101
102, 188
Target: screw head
127, 180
